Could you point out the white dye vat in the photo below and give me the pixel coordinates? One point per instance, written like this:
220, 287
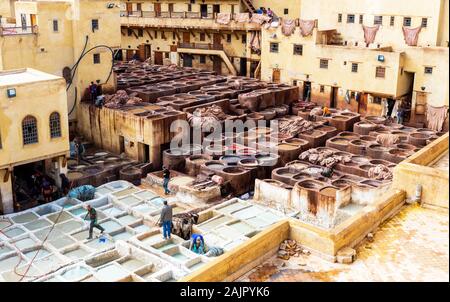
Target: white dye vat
127, 219
232, 244
37, 224
45, 233
59, 217
103, 190
4, 249
130, 200
9, 263
97, 245
231, 207
78, 253
78, 211
146, 195
47, 209
62, 242
247, 212
270, 217
242, 227
141, 228
90, 279
257, 222
122, 236
214, 222
48, 264
81, 235
25, 217
24, 273
158, 202
69, 226
111, 272
4, 223
113, 211
67, 203
125, 192
13, 232
111, 226
132, 264
24, 243
144, 208
227, 232
36, 254
75, 273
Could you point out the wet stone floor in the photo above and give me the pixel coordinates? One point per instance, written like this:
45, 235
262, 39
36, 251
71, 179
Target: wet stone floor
442, 163
412, 246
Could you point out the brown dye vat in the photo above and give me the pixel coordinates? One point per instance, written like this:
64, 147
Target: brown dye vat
255, 116
363, 170
342, 183
214, 165
426, 131
372, 183
260, 131
349, 135
310, 184
230, 160
71, 175
396, 155
288, 152
283, 174
341, 123
268, 114
406, 147
174, 159
328, 191
281, 111
246, 152
357, 147
315, 138
239, 179
330, 131
376, 151
364, 127
379, 162
418, 139
376, 119
216, 150
338, 143
298, 142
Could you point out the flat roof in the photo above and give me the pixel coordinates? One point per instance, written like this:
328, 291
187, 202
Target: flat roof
23, 76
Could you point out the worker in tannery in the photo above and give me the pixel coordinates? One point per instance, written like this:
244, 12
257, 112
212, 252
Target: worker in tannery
93, 218
165, 220
166, 179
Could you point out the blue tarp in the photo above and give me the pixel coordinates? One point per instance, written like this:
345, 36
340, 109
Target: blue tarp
83, 193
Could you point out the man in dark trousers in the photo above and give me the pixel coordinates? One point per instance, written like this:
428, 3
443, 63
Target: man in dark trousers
93, 91
166, 220
65, 184
93, 218
166, 176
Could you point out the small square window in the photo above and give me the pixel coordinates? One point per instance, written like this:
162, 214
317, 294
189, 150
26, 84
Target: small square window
95, 25
96, 58
294, 82
392, 21
286, 11
322, 89
380, 72
202, 59
324, 63
428, 70
361, 19
350, 18
228, 38
424, 22
298, 49
202, 37
378, 20
339, 18
354, 67
274, 47
55, 25
407, 21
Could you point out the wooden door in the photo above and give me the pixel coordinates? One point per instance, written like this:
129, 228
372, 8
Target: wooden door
129, 8
186, 37
276, 75
204, 10
158, 58
148, 51
158, 9
217, 65
217, 39
171, 7
129, 54
141, 51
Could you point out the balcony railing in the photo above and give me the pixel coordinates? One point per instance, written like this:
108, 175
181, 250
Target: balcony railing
205, 46
13, 31
179, 15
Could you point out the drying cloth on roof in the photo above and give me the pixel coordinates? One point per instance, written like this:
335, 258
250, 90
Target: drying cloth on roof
287, 27
255, 43
387, 140
384, 107
347, 97
83, 193
395, 109
223, 18
294, 127
325, 158
411, 35
380, 172
214, 251
307, 27
242, 17
259, 19
370, 33
436, 117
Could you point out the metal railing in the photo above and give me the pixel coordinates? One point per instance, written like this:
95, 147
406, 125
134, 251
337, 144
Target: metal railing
206, 46
179, 15
13, 31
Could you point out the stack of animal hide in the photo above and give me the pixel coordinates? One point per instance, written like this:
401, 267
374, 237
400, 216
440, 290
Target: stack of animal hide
380, 172
182, 224
223, 18
307, 27
293, 128
387, 140
324, 158
289, 248
206, 117
287, 27
121, 98
242, 17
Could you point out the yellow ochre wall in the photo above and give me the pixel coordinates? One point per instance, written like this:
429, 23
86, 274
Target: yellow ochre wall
182, 5
278, 7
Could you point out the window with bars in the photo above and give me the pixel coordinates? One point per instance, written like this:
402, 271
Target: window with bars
95, 25
324, 63
55, 125
407, 21
428, 70
274, 47
55, 26
294, 83
361, 19
350, 18
322, 89
354, 67
96, 57
392, 21
298, 49
378, 20
380, 72
339, 18
424, 22
29, 130
286, 11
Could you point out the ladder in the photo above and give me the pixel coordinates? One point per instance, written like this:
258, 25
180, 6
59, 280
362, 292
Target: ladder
249, 5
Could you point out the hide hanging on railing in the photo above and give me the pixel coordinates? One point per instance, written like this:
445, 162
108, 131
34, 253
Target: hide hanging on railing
255, 43
260, 19
242, 17
436, 117
287, 27
223, 18
370, 33
307, 27
411, 35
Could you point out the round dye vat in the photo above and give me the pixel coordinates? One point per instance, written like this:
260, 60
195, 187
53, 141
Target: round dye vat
230, 159
329, 191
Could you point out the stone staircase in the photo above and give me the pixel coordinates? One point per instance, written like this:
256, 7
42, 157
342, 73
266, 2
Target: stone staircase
249, 4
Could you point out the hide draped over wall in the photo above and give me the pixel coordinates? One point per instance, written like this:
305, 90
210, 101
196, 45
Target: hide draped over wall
370, 33
411, 35
436, 117
307, 27
287, 27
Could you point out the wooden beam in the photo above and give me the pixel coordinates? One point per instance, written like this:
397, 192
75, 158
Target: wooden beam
192, 33
149, 34
207, 34
156, 34
134, 34
123, 33
163, 35
236, 35
178, 36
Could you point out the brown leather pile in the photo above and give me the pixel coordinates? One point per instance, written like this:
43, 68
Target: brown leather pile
294, 127
206, 116
387, 140
289, 248
380, 172
324, 158
121, 98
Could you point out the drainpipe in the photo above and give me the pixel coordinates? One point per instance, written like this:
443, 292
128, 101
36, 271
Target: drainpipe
417, 197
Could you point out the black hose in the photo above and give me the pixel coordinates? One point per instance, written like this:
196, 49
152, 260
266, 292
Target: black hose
75, 66
75, 101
